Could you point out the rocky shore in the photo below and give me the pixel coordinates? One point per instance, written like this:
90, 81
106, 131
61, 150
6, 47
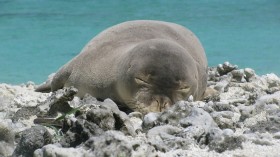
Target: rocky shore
241, 118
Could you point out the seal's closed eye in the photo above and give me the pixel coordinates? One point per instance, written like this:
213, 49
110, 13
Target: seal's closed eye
141, 82
184, 89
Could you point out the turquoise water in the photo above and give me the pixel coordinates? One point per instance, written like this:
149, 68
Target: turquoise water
39, 36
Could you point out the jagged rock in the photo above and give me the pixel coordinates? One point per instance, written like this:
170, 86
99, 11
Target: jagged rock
276, 135
25, 113
226, 68
211, 95
249, 74
121, 119
222, 86
197, 123
259, 138
115, 142
56, 150
272, 80
175, 113
165, 138
101, 117
58, 101
150, 120
223, 105
246, 109
225, 119
238, 75
7, 138
221, 141
32, 139
198, 117
213, 74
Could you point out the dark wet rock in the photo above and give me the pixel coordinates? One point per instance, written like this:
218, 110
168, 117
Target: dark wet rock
121, 119
79, 132
32, 139
226, 68
101, 117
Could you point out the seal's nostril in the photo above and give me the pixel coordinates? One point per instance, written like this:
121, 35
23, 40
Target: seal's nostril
164, 106
158, 105
166, 103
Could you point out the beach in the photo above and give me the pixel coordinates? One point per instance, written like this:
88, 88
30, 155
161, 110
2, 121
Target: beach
239, 118
242, 119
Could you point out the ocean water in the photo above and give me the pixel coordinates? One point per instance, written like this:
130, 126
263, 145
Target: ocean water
39, 36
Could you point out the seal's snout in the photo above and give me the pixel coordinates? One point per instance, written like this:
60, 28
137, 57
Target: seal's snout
160, 103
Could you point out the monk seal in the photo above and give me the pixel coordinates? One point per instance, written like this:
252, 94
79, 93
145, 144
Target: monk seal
142, 65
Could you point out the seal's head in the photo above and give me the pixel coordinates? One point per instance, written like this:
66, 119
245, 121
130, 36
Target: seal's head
159, 73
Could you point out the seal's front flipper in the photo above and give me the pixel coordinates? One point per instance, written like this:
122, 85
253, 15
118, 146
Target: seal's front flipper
46, 86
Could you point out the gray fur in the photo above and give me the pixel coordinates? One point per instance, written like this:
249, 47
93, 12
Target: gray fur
165, 55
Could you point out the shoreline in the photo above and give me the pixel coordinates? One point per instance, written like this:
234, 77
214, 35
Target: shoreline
242, 119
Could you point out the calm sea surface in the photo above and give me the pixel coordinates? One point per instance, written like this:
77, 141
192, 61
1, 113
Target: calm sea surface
39, 36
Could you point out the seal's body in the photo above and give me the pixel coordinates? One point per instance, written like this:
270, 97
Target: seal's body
143, 65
